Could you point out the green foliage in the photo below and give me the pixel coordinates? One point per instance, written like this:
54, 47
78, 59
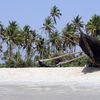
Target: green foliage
78, 63
10, 64
93, 25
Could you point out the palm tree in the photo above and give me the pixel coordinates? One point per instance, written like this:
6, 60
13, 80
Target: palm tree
93, 25
10, 34
19, 41
77, 22
56, 42
48, 25
55, 13
41, 47
29, 39
1, 36
67, 37
49, 28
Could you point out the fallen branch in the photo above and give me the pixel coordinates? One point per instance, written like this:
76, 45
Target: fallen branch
68, 61
59, 56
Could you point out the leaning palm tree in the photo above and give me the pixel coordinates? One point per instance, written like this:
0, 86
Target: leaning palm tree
55, 13
93, 25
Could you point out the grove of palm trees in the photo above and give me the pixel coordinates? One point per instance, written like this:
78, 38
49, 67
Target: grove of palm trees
25, 46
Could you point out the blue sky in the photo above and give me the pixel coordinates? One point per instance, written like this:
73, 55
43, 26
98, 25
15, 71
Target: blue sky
33, 12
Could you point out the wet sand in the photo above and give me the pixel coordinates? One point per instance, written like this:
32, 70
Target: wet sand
50, 84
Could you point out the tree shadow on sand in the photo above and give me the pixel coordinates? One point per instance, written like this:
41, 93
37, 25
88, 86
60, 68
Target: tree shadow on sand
90, 69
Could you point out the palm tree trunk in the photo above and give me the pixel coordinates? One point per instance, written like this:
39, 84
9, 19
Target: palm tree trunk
10, 51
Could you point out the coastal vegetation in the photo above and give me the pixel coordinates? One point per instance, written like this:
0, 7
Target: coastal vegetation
24, 46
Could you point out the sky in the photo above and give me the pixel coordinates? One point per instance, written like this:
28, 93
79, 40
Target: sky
33, 12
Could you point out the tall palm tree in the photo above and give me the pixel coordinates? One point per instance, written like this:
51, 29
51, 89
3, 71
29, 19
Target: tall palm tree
93, 25
48, 26
55, 42
10, 34
29, 39
19, 41
55, 13
77, 22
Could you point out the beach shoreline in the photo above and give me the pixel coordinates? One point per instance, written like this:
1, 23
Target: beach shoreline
50, 76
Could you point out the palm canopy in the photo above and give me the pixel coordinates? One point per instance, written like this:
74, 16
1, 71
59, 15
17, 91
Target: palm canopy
29, 35
41, 47
55, 13
48, 25
11, 31
93, 25
67, 35
29, 39
1, 29
56, 41
77, 22
10, 37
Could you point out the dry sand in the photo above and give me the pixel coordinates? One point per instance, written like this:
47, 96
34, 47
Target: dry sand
36, 76
73, 83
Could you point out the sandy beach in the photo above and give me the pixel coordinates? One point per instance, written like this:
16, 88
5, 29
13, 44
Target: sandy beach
73, 83
50, 75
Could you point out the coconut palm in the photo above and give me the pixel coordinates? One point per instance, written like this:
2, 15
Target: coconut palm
48, 26
67, 37
41, 47
1, 36
93, 25
29, 39
10, 34
77, 22
56, 42
19, 41
55, 13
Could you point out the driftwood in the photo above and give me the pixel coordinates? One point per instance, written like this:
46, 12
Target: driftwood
41, 64
68, 61
91, 47
44, 60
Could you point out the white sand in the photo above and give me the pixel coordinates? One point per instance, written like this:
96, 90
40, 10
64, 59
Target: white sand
73, 83
71, 75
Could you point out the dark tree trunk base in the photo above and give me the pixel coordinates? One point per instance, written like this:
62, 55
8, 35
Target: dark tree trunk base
93, 65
